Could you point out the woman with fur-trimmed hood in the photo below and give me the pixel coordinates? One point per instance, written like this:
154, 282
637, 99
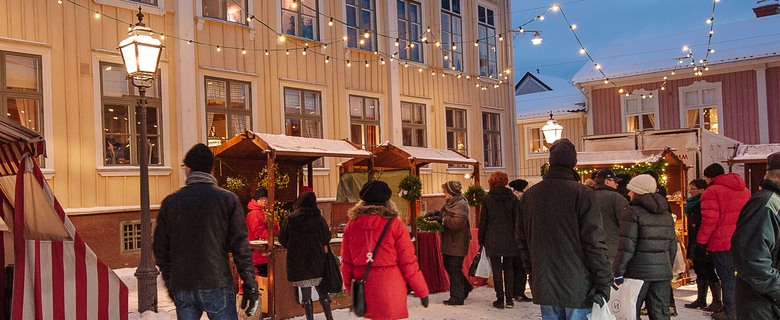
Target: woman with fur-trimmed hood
395, 264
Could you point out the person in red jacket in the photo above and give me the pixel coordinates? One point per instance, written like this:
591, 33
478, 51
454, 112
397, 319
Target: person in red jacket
721, 203
395, 264
258, 228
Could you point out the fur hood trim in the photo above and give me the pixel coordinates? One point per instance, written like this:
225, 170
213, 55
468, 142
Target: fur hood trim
386, 210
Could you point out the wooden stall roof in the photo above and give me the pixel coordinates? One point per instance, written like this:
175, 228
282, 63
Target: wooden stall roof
754, 153
298, 150
388, 156
603, 158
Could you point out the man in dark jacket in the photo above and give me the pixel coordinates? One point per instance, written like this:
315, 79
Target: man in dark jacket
720, 207
756, 250
196, 228
647, 246
562, 242
610, 203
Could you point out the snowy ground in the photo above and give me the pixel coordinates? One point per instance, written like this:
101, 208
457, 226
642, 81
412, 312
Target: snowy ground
478, 305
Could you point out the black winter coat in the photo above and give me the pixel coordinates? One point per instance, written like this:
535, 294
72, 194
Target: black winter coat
500, 211
755, 247
305, 234
647, 244
610, 203
562, 241
196, 228
693, 212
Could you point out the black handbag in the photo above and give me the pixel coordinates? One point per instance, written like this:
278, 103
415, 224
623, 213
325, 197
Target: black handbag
358, 290
331, 279
475, 263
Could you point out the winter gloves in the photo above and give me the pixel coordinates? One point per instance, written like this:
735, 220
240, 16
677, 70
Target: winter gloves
434, 215
249, 300
599, 294
424, 301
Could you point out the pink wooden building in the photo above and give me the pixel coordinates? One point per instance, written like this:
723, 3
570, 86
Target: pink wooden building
653, 86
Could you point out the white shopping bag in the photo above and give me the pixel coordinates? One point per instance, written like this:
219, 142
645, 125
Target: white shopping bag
601, 312
483, 268
679, 261
622, 302
314, 295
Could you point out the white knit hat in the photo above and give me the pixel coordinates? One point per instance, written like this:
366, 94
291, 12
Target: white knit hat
641, 184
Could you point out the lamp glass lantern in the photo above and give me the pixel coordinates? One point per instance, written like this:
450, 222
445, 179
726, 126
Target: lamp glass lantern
537, 39
552, 130
141, 52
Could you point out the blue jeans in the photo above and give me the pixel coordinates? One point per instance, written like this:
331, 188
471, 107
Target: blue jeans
561, 313
219, 304
724, 266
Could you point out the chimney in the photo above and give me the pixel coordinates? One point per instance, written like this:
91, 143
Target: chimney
765, 8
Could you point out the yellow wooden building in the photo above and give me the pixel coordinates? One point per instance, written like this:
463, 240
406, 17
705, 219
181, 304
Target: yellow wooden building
422, 73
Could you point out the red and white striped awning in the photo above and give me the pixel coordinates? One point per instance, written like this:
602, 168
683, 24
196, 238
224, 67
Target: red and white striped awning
15, 141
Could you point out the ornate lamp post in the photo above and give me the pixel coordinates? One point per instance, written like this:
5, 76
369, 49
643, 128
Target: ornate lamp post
141, 55
552, 130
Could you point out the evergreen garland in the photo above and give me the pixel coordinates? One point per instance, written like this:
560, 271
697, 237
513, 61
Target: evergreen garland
428, 226
633, 170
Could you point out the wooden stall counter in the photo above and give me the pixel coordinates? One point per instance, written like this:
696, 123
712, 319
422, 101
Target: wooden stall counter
282, 293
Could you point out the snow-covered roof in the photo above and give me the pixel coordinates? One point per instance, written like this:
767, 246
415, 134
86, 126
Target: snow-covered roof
289, 144
617, 157
435, 155
563, 99
742, 40
759, 152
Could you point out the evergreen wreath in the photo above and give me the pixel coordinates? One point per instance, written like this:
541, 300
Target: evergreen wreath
428, 226
474, 195
411, 188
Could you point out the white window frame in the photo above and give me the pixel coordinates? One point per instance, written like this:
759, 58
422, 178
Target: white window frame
130, 170
414, 126
468, 143
527, 141
158, 9
318, 36
447, 47
374, 38
637, 94
367, 145
500, 138
324, 170
482, 43
699, 86
200, 17
419, 43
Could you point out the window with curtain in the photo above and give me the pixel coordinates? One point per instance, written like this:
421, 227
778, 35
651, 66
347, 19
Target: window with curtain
486, 33
303, 115
149, 2
410, 30
451, 35
361, 19
413, 124
491, 139
228, 109
301, 20
228, 10
535, 141
456, 131
121, 126
21, 89
640, 111
700, 107
364, 121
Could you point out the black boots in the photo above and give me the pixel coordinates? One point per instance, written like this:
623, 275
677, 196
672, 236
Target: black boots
326, 308
701, 299
308, 309
717, 297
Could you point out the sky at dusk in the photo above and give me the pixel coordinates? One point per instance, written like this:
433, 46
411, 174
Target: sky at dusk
603, 23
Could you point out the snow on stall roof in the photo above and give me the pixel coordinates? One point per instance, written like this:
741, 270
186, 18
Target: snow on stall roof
440, 155
742, 40
755, 151
284, 143
564, 98
617, 157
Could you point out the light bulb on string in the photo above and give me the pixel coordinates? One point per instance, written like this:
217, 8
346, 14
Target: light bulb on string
349, 64
189, 41
573, 27
243, 51
437, 44
162, 37
428, 30
330, 23
459, 76
582, 50
433, 73
362, 42
685, 48
325, 46
620, 90
540, 17
650, 96
606, 81
555, 8
419, 70
411, 45
303, 52
249, 18
663, 88
397, 43
712, 50
709, 21
366, 34
287, 52
344, 38
452, 67
712, 31
382, 60
266, 51
294, 4
446, 57
97, 15
376, 53
59, 1
501, 38
219, 49
281, 37
628, 94
598, 66
424, 39
476, 43
327, 59
672, 72
454, 47
366, 63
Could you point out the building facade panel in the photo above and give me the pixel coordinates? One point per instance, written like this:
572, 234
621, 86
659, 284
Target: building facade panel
773, 101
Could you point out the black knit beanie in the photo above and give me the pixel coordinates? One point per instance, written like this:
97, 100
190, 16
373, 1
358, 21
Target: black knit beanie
563, 153
307, 200
261, 193
713, 170
199, 158
375, 191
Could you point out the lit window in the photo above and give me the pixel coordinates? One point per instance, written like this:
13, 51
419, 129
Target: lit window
301, 20
121, 126
640, 110
228, 109
700, 106
457, 131
486, 32
228, 10
364, 126
536, 142
303, 115
21, 92
451, 35
360, 19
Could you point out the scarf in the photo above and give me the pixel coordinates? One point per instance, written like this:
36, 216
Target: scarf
457, 205
200, 177
692, 203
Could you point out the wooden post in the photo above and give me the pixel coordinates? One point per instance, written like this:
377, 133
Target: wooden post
310, 175
477, 208
413, 211
371, 168
271, 169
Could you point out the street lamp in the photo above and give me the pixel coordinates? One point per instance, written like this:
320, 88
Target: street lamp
141, 55
537, 39
552, 130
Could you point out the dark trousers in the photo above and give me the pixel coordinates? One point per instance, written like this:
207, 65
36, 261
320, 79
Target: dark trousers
503, 277
521, 278
321, 292
655, 295
724, 266
704, 268
459, 285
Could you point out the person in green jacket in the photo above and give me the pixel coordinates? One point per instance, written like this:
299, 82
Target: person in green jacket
610, 203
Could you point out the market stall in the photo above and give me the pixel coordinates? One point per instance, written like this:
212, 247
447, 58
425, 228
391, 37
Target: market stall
753, 158
389, 157
275, 161
671, 170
